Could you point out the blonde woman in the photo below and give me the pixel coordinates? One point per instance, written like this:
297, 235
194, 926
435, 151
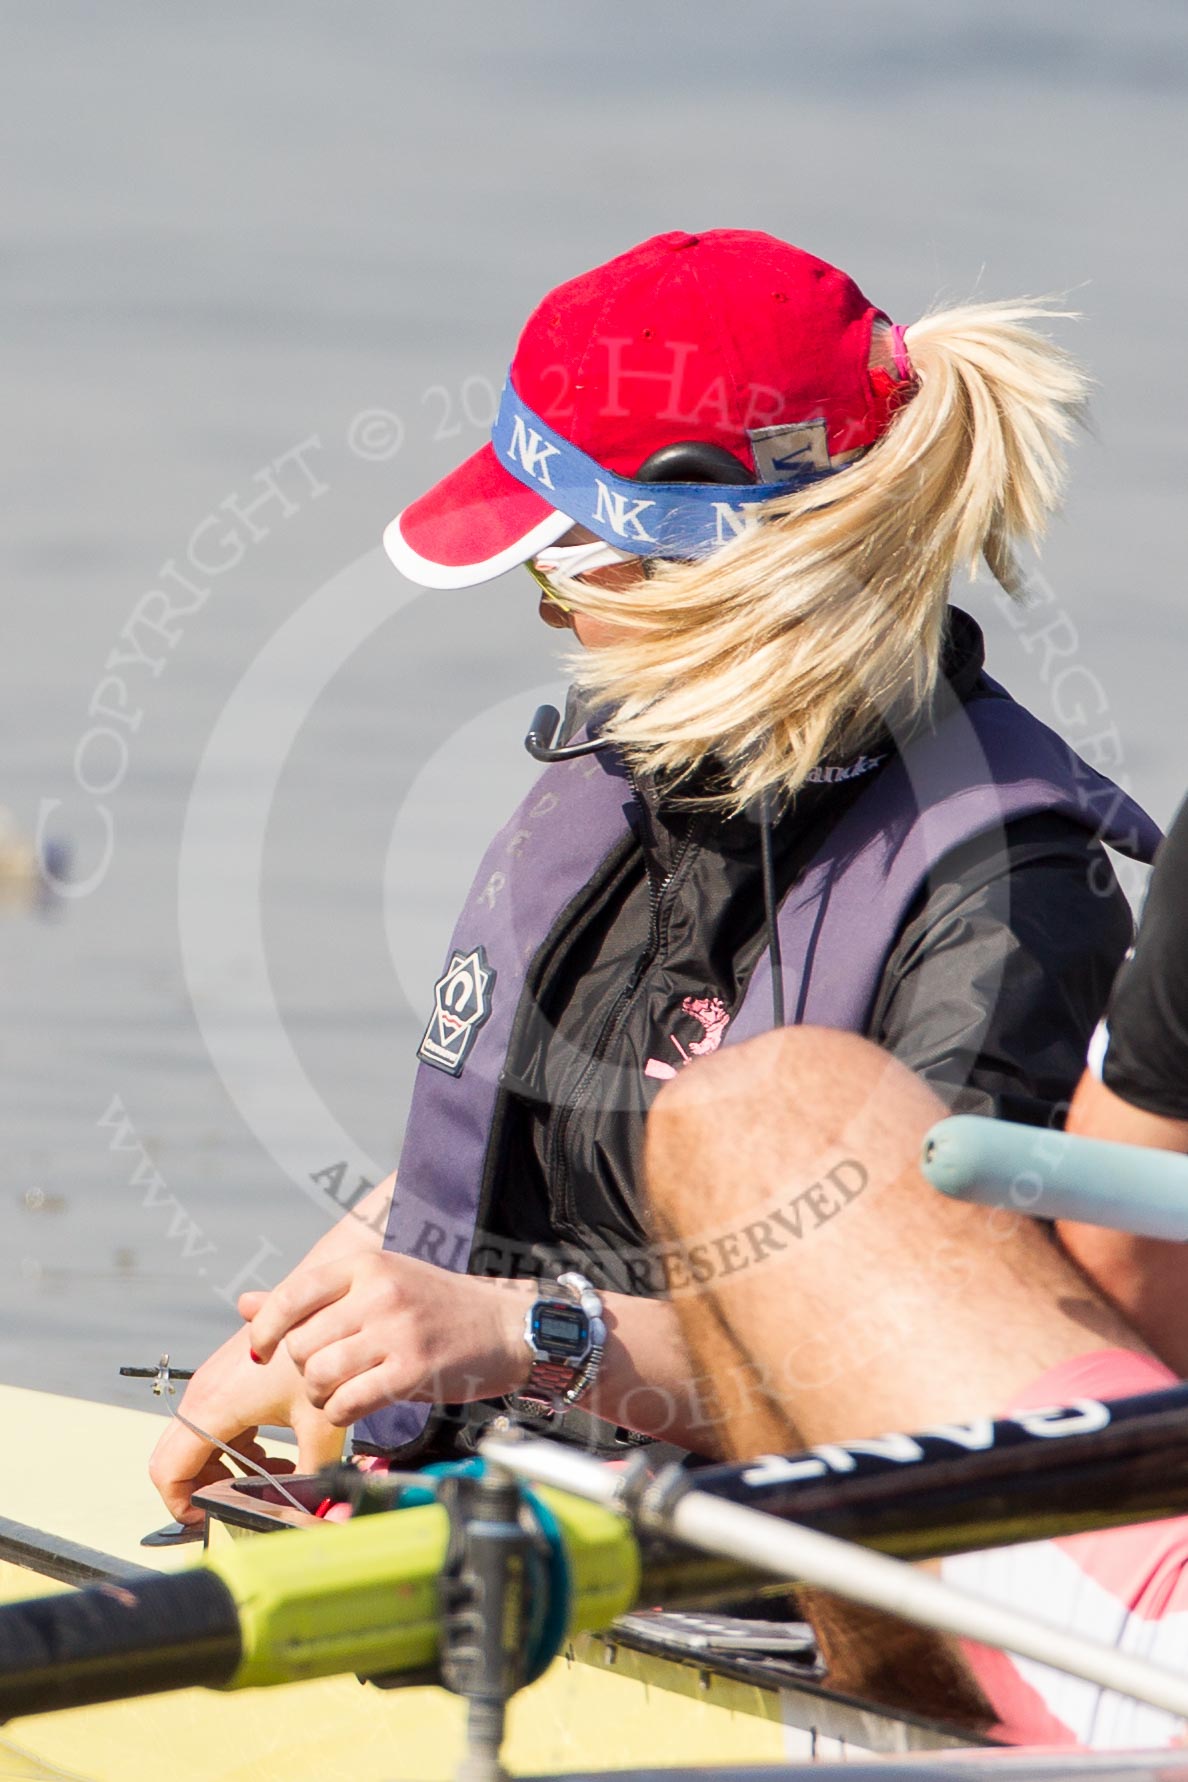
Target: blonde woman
785, 792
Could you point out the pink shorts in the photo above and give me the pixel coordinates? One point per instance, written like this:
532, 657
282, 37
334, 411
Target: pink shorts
1124, 1587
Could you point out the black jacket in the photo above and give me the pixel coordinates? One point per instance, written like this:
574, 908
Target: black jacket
1147, 1059
991, 993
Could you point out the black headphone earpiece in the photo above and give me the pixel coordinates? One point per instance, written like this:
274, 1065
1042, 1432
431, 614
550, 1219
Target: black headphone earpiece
693, 461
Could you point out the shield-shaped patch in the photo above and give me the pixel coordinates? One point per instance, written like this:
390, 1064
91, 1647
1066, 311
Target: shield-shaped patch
461, 1003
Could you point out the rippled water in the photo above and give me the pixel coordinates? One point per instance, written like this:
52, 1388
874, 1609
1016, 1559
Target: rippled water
228, 234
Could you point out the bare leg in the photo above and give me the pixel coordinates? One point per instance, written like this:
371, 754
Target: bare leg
867, 1300
837, 1294
867, 1653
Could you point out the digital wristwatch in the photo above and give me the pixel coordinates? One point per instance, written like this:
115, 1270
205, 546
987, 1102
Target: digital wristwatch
566, 1336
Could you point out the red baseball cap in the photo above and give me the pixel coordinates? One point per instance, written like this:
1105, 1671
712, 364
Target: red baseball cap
730, 339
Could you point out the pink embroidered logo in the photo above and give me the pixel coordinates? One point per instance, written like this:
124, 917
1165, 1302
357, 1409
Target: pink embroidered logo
710, 1011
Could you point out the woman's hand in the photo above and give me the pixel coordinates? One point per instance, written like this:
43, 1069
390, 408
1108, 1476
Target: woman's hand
230, 1396
367, 1330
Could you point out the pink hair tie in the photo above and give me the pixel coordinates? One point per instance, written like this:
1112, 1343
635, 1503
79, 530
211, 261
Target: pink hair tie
903, 364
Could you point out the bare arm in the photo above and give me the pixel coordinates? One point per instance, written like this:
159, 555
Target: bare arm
1146, 1278
649, 1383
360, 1229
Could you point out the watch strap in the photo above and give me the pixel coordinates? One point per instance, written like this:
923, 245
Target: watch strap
554, 1384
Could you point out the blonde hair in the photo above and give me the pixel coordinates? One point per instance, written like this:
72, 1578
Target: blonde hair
806, 635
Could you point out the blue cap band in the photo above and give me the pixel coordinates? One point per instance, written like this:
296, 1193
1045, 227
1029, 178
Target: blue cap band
648, 519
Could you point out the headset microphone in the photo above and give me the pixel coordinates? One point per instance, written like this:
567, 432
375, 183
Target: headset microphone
544, 731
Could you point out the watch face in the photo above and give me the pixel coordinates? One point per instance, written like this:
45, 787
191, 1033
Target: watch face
563, 1330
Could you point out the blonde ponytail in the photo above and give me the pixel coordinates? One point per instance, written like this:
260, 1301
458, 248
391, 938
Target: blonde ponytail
808, 633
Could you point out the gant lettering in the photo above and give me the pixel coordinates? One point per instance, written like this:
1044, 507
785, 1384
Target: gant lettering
1081, 1417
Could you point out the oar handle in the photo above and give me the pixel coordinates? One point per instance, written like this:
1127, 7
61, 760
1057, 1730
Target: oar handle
358, 1596
1058, 1175
112, 1640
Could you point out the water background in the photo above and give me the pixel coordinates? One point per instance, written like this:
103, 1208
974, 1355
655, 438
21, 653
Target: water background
229, 233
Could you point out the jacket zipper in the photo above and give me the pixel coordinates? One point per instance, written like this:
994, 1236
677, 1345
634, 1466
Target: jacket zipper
558, 1170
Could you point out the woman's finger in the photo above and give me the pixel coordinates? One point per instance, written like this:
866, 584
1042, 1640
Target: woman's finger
319, 1443
331, 1368
359, 1396
249, 1447
299, 1295
179, 1465
177, 1479
333, 1324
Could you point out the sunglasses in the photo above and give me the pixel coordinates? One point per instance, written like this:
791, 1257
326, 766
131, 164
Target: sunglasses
573, 560
546, 587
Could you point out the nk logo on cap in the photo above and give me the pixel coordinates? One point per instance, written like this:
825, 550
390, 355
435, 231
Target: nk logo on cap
461, 1003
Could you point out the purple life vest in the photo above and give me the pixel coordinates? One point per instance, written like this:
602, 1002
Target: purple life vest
988, 763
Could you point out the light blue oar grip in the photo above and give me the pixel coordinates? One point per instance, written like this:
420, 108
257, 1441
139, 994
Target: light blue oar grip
1054, 1175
